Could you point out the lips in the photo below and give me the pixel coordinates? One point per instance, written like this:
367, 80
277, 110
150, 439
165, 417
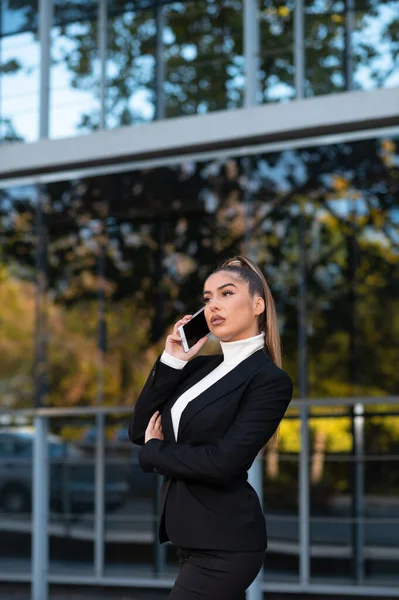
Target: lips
217, 320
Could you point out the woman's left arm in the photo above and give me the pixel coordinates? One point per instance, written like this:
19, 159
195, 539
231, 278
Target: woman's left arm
253, 426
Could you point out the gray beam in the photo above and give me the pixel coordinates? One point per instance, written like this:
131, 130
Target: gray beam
45, 22
304, 483
334, 114
40, 497
160, 21
102, 52
299, 48
349, 27
251, 51
99, 500
122, 409
255, 479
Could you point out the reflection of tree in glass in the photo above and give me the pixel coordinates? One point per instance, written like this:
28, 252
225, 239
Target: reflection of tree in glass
203, 52
165, 229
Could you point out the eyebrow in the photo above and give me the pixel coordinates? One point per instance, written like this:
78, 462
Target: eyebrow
220, 287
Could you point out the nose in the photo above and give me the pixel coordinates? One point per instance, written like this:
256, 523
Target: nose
213, 306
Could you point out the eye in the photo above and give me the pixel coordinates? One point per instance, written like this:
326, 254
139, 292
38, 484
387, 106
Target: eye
227, 292
206, 300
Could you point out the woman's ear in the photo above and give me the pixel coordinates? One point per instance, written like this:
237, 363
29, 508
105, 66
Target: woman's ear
259, 305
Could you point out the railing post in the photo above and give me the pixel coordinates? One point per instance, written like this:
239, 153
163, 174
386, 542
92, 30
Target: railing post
99, 501
358, 492
256, 480
102, 51
299, 49
304, 483
159, 550
40, 497
251, 51
160, 21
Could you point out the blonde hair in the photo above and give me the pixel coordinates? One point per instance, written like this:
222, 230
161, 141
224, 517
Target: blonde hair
249, 272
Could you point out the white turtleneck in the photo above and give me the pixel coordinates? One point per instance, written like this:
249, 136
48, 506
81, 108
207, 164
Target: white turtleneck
233, 353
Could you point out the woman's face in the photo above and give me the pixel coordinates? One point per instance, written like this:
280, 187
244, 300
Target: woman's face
230, 311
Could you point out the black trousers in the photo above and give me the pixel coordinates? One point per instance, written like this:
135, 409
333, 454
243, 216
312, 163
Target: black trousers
215, 574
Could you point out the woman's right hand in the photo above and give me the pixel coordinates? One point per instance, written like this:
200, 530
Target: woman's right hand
174, 345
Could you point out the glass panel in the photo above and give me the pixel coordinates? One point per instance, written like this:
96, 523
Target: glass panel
75, 69
280, 501
203, 56
17, 340
72, 497
148, 238
351, 224
74, 233
15, 498
370, 44
17, 295
374, 43
131, 520
19, 72
130, 63
331, 478
381, 508
277, 70
324, 47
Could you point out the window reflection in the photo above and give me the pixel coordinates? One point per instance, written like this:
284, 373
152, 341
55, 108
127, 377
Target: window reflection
204, 56
148, 238
130, 63
17, 295
276, 24
75, 70
164, 229
19, 72
349, 48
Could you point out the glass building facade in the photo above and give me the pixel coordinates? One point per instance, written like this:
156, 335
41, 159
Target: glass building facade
98, 261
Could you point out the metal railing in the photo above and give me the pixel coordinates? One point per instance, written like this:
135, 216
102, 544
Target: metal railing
345, 528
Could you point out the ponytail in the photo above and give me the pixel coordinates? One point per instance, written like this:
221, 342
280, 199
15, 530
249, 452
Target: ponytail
267, 323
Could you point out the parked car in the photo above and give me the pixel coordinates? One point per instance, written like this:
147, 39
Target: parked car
71, 477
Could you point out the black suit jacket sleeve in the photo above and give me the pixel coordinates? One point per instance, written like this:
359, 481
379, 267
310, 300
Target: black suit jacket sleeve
159, 385
157, 390
261, 411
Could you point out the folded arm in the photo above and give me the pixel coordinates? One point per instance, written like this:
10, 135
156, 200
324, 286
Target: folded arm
164, 377
254, 425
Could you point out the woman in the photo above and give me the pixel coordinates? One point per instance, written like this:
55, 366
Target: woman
203, 420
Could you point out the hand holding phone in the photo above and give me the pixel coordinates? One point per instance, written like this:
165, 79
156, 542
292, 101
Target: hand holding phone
174, 342
194, 330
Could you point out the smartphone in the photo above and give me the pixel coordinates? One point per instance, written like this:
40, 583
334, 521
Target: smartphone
194, 330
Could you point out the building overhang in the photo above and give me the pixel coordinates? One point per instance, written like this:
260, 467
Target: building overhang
307, 118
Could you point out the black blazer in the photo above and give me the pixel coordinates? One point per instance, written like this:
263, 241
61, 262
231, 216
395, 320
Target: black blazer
207, 502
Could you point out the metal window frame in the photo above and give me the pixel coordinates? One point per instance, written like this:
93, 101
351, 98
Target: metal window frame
240, 131
102, 41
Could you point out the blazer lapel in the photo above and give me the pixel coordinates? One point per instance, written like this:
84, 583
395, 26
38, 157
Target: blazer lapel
192, 379
223, 386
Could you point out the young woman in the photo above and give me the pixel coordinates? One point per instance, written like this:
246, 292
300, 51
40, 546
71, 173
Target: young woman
202, 420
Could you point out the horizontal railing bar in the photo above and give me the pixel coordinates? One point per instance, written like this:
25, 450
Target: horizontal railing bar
371, 589
47, 411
